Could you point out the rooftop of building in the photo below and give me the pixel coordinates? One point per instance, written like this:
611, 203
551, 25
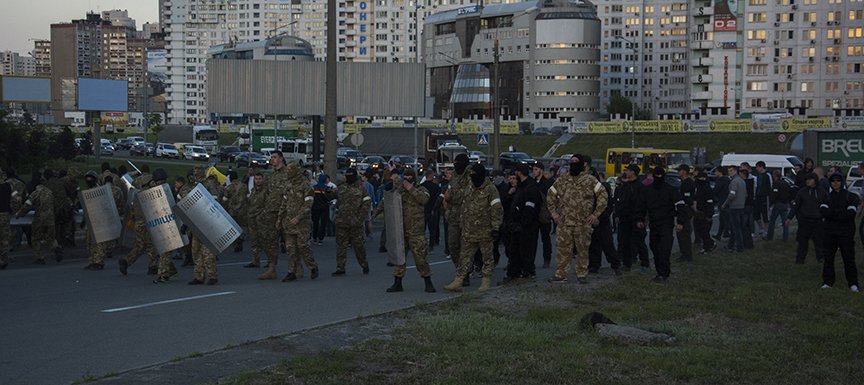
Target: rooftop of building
493, 10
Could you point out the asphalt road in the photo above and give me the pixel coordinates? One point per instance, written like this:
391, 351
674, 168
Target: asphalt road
61, 323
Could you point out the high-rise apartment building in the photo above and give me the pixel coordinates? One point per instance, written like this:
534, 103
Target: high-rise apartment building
368, 31
42, 54
95, 48
12, 63
735, 58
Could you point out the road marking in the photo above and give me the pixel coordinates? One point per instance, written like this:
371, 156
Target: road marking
119, 309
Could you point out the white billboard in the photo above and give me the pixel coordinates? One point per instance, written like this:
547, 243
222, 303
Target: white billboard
21, 89
103, 95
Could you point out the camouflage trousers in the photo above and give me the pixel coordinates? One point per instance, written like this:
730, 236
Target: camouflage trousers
253, 232
43, 237
267, 237
205, 261
454, 241
467, 257
417, 245
354, 235
5, 235
166, 265
142, 245
568, 237
98, 250
297, 248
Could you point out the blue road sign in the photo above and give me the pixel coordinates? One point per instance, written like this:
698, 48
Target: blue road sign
483, 139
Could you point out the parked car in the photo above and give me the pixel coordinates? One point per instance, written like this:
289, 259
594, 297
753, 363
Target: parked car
167, 150
541, 131
477, 157
123, 144
507, 160
857, 187
196, 153
404, 161
107, 143
142, 149
137, 140
227, 153
243, 159
107, 150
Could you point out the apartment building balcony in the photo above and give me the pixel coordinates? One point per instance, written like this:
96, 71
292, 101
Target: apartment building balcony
702, 95
701, 79
350, 32
704, 11
703, 44
350, 43
702, 62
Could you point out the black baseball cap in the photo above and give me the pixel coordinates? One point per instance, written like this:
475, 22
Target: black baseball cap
634, 168
683, 167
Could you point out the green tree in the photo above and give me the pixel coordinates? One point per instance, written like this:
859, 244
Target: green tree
619, 104
64, 144
154, 126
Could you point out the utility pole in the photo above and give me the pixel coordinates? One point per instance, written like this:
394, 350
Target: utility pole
330, 119
496, 114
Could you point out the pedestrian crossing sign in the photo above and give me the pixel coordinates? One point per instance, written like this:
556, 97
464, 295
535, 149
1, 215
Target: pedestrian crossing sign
483, 139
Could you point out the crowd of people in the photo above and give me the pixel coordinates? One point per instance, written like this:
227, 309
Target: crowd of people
294, 209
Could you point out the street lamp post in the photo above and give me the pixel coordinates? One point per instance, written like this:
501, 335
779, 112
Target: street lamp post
632, 102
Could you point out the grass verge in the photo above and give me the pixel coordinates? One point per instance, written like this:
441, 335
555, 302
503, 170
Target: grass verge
753, 318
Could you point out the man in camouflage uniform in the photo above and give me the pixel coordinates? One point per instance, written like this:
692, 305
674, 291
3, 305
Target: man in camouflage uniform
63, 214
19, 192
481, 217
143, 244
234, 200
165, 268
276, 187
205, 259
295, 219
5, 210
414, 199
575, 201
352, 206
459, 183
106, 172
42, 201
255, 209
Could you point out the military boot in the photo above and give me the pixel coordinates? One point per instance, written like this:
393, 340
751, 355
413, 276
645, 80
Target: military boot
456, 285
397, 285
484, 284
430, 288
269, 274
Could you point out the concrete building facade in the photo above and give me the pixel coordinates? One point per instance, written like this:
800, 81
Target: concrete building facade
13, 63
42, 54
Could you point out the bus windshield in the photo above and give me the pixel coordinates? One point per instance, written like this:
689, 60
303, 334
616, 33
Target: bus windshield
677, 158
207, 135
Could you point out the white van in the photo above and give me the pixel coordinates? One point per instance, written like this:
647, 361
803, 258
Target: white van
785, 163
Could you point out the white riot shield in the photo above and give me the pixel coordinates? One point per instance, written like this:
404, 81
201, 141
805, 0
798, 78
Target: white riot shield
159, 219
395, 227
209, 221
103, 220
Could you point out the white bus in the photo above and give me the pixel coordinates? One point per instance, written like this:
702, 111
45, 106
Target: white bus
299, 150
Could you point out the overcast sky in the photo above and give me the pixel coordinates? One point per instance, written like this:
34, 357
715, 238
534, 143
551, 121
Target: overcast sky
22, 20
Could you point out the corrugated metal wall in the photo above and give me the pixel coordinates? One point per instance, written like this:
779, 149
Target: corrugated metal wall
298, 88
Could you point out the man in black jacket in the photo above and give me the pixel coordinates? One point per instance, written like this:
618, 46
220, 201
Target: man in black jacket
721, 193
688, 192
433, 208
703, 209
839, 214
601, 237
781, 195
806, 208
763, 190
629, 196
663, 207
523, 213
543, 184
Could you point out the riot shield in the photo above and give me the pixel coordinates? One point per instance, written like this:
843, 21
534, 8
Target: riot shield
209, 221
155, 204
103, 220
395, 228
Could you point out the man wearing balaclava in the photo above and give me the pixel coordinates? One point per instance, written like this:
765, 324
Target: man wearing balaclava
41, 200
481, 218
459, 183
352, 206
575, 202
414, 198
97, 250
663, 207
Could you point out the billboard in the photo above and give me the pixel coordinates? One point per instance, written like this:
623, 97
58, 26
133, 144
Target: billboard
841, 149
724, 16
115, 118
102, 95
157, 65
21, 89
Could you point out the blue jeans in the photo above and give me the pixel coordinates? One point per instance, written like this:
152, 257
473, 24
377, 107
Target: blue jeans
779, 210
738, 223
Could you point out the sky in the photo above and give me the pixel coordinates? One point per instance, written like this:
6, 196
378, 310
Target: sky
22, 20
